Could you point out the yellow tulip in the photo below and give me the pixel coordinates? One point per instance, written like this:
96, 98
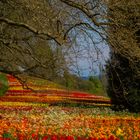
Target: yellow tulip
119, 132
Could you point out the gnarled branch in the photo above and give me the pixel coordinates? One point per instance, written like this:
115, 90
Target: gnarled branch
30, 28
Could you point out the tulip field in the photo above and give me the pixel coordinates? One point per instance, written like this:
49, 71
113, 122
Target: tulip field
39, 113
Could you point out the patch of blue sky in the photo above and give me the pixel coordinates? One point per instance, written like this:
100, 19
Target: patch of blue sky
88, 51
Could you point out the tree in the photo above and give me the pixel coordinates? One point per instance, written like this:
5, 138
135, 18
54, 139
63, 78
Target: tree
60, 22
26, 37
44, 20
123, 68
120, 22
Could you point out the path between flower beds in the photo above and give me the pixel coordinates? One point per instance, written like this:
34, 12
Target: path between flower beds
50, 95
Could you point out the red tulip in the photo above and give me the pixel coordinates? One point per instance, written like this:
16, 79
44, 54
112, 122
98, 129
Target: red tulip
62, 138
111, 137
54, 138
90, 138
45, 138
69, 138
34, 136
103, 139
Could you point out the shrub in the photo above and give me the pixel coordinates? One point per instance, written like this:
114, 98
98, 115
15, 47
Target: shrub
3, 84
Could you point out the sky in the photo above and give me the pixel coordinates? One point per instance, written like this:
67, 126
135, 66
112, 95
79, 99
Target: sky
89, 54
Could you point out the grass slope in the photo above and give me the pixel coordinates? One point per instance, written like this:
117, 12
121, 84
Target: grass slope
40, 83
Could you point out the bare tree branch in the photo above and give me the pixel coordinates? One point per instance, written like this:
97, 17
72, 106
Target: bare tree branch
83, 24
28, 27
83, 9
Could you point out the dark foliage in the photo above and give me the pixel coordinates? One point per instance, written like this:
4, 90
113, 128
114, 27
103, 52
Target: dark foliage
123, 84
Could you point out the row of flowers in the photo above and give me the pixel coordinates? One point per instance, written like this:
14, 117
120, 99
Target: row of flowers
79, 124
56, 137
64, 96
54, 100
43, 94
33, 99
53, 92
18, 88
2, 104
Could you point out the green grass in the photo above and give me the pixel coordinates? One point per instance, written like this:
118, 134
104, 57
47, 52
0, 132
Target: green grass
40, 82
3, 84
99, 91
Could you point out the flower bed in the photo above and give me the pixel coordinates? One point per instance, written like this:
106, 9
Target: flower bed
27, 115
67, 123
45, 94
